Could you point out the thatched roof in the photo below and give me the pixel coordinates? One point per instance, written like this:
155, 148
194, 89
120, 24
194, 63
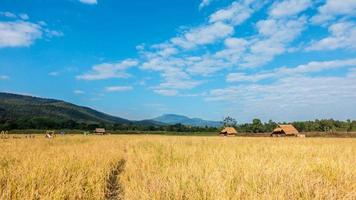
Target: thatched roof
228, 131
288, 129
99, 130
277, 130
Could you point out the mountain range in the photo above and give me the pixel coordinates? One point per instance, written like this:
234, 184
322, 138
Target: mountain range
22, 107
175, 119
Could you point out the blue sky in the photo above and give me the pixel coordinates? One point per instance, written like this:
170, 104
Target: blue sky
283, 60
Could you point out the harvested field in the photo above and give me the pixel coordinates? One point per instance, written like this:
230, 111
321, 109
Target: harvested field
172, 167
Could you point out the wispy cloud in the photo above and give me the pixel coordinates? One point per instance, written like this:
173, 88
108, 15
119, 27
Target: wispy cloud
118, 88
297, 95
109, 70
91, 2
237, 13
78, 92
275, 33
54, 73
204, 3
24, 16
203, 35
8, 14
166, 92
170, 57
308, 68
4, 77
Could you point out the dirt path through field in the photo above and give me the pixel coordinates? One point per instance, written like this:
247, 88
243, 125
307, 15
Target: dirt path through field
114, 190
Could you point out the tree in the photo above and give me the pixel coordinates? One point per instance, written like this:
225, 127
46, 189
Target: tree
257, 126
229, 121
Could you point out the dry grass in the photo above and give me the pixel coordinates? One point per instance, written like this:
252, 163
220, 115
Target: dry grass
168, 167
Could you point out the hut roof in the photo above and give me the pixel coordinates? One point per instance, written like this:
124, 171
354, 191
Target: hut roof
100, 130
277, 129
288, 129
229, 130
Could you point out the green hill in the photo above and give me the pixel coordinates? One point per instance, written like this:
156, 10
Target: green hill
14, 107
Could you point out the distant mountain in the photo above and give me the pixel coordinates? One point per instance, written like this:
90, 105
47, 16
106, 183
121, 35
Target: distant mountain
24, 109
180, 119
20, 107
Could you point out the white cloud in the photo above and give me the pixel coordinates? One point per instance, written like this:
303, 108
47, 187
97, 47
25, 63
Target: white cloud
170, 69
204, 3
233, 51
308, 68
24, 16
242, 77
8, 14
4, 77
206, 66
92, 2
342, 35
19, 33
109, 70
42, 23
78, 92
166, 92
274, 37
298, 96
236, 13
289, 8
182, 59
54, 73
172, 58
53, 33
334, 8
177, 83
203, 35
118, 88
225, 94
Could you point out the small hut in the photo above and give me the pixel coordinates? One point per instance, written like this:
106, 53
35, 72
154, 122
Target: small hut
50, 134
100, 131
228, 131
285, 130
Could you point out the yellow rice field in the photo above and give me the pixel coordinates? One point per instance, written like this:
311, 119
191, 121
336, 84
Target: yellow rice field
172, 167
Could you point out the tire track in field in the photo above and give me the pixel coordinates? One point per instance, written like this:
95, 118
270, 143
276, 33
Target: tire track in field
114, 189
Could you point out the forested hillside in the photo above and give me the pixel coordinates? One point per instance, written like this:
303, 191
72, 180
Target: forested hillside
19, 111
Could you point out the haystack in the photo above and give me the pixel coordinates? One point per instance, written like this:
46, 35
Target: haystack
4, 135
285, 130
228, 131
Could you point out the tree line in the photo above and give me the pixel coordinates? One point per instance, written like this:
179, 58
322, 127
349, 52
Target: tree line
256, 126
324, 125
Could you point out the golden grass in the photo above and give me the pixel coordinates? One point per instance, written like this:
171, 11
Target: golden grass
169, 167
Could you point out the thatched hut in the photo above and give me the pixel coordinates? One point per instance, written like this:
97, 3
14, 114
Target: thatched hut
228, 131
50, 134
100, 131
285, 130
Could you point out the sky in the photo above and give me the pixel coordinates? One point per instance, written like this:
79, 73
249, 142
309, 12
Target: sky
283, 60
